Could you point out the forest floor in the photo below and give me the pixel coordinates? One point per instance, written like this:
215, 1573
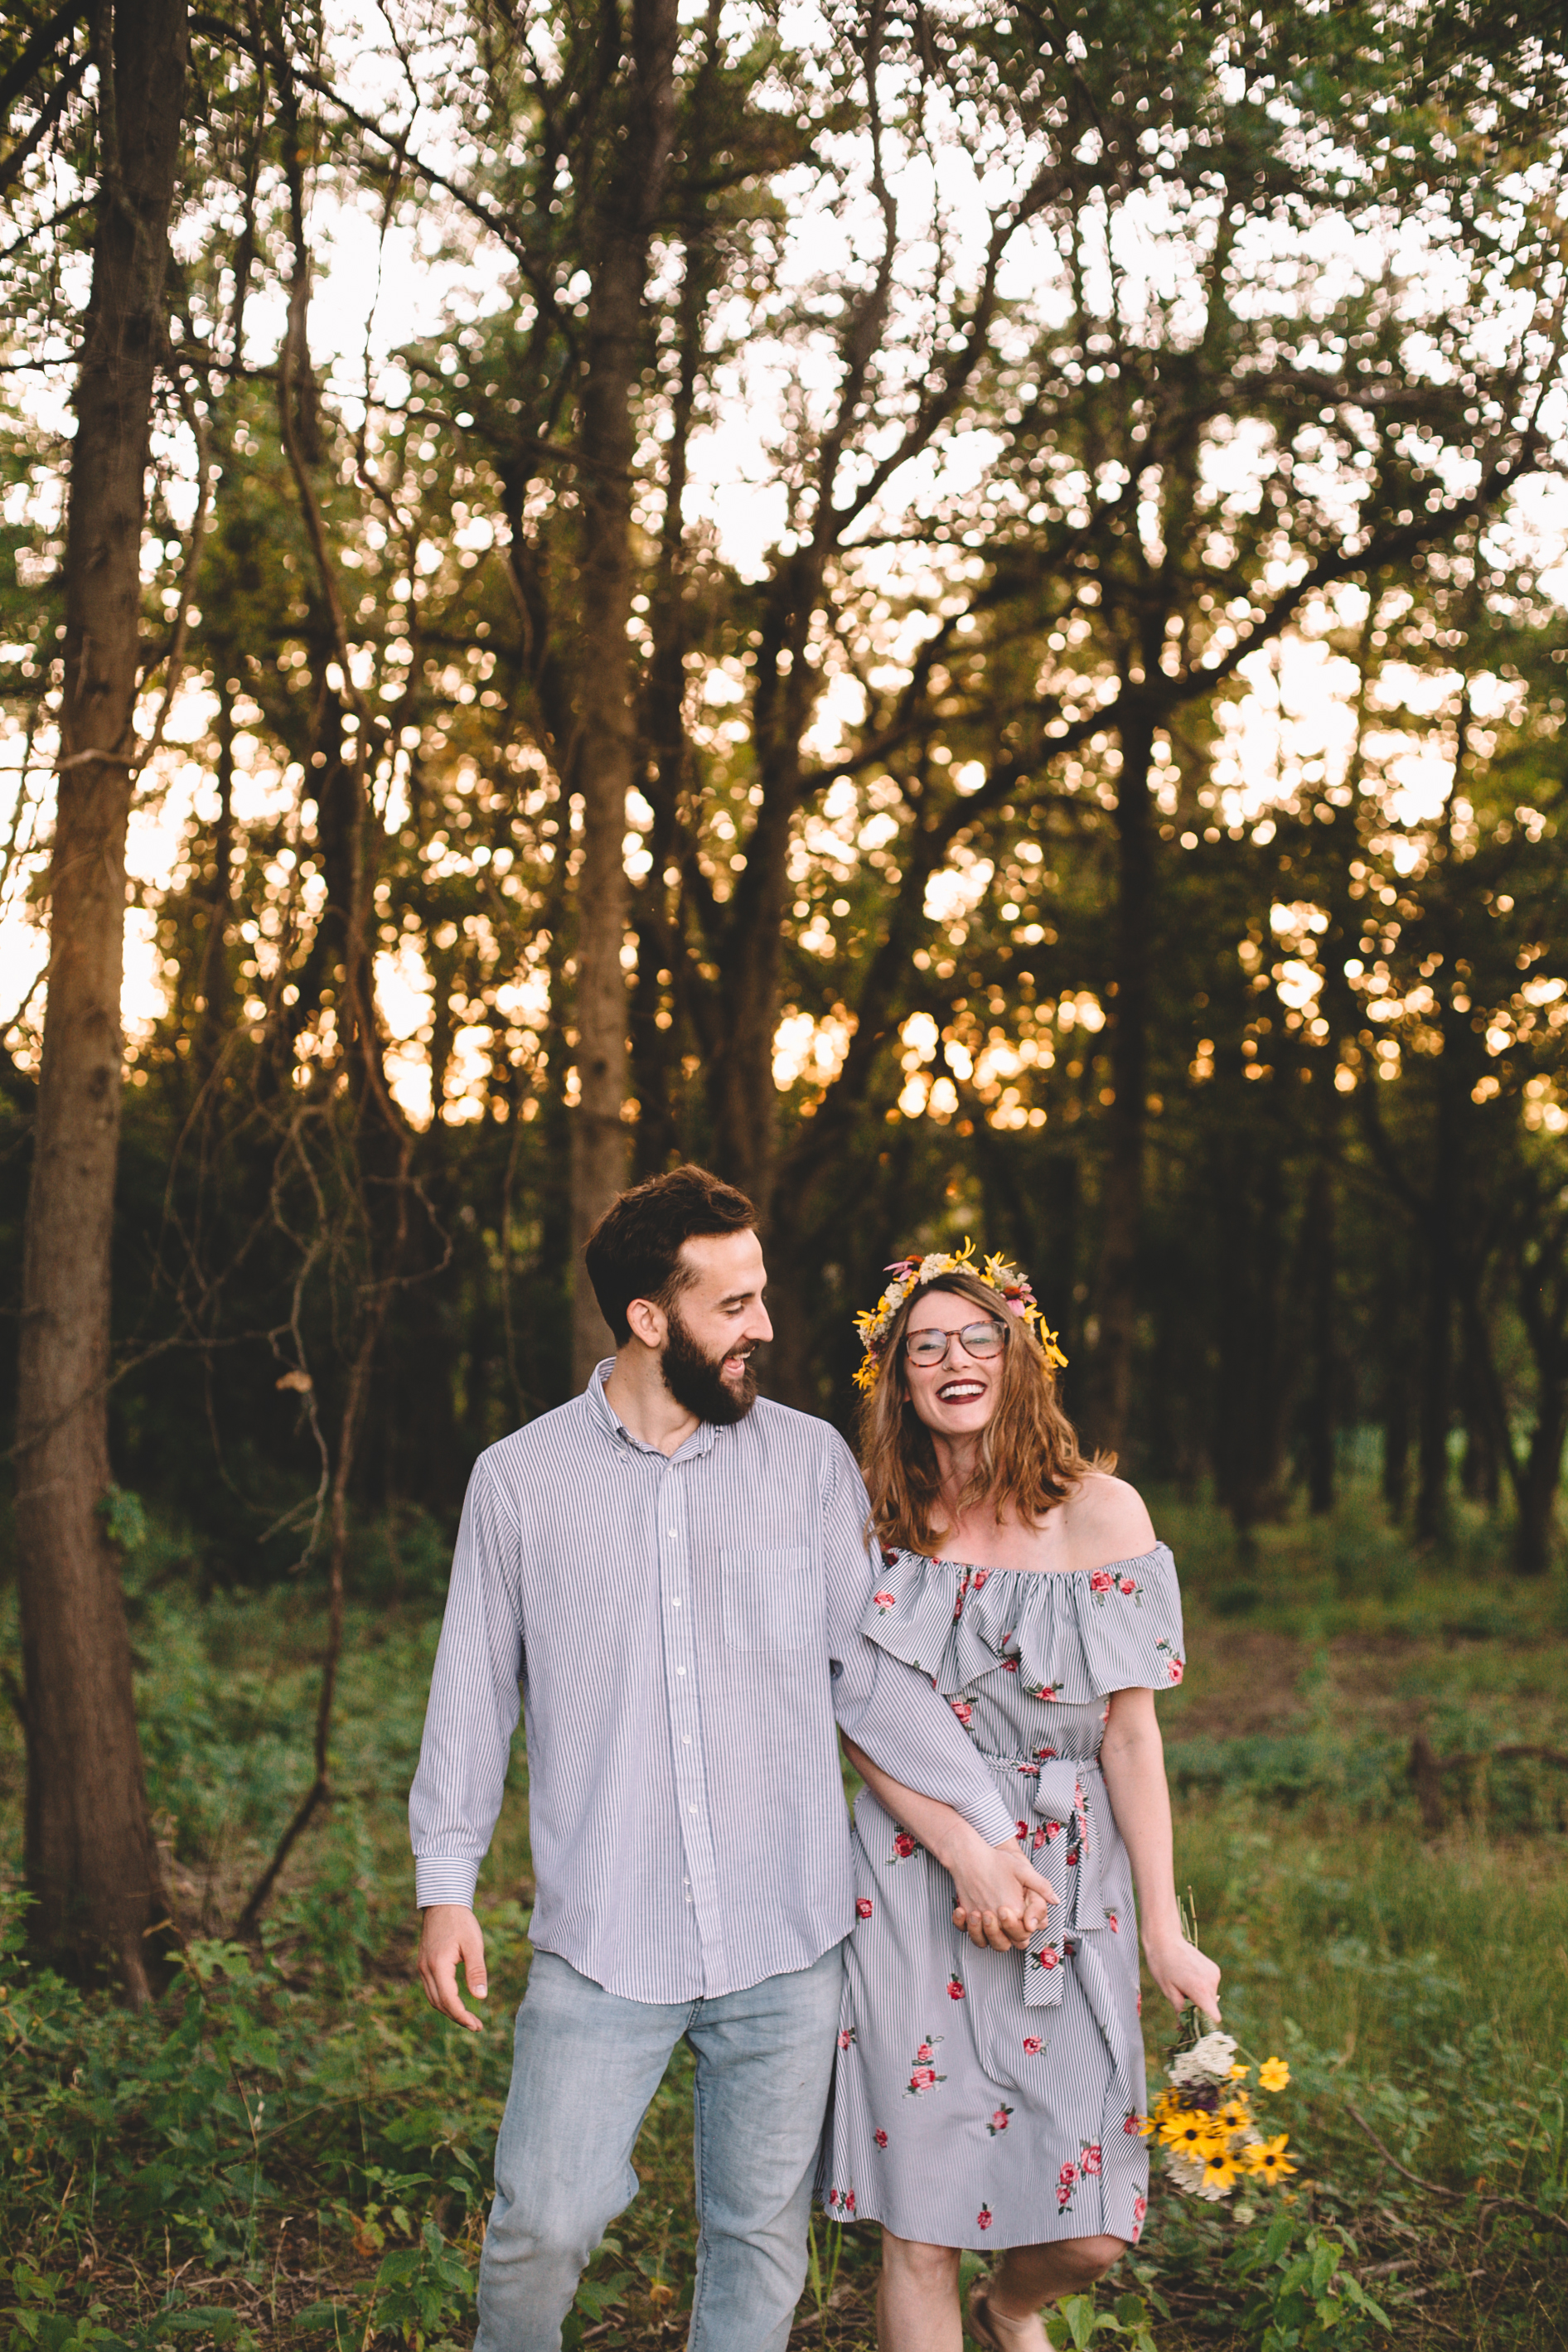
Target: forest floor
291, 2149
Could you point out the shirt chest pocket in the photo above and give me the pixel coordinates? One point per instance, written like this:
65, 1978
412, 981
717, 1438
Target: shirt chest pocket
772, 1599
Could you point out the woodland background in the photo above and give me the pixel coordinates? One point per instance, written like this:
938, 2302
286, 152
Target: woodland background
957, 615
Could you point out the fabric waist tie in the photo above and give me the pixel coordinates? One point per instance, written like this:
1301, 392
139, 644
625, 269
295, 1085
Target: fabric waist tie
1071, 1807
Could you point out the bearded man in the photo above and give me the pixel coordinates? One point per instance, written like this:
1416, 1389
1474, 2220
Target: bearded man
675, 1572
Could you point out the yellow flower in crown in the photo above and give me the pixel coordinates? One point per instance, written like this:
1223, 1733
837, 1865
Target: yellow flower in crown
1010, 1283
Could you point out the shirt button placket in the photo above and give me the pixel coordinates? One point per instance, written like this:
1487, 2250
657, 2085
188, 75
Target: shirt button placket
679, 1636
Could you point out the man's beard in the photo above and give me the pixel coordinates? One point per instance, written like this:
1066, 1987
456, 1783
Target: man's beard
696, 1381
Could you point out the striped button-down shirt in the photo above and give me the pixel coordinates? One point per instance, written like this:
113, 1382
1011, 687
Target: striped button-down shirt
685, 1629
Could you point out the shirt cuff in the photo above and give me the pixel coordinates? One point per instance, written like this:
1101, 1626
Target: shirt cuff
992, 1821
448, 1878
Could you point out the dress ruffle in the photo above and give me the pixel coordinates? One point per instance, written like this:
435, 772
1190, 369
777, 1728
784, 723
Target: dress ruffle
1069, 1634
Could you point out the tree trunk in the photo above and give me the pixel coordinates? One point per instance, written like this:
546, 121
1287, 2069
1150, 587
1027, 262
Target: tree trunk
1322, 1397
1543, 1474
91, 1860
1395, 1432
604, 771
1108, 1394
1437, 1403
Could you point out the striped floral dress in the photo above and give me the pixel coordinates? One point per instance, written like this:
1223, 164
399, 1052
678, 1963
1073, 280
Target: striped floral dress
984, 2098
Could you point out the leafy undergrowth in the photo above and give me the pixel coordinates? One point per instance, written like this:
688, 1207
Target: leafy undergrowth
291, 2150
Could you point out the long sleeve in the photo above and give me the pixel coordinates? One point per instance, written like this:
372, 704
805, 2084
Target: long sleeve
473, 1709
887, 1707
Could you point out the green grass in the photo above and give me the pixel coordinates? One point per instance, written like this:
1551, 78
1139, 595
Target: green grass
294, 2150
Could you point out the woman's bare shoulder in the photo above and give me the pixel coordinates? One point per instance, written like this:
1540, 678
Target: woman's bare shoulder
1106, 1518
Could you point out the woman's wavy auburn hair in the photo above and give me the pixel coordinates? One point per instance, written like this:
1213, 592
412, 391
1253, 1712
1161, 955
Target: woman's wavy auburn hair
1029, 1457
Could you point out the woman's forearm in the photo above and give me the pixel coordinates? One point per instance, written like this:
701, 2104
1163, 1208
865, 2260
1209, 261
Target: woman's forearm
1133, 1761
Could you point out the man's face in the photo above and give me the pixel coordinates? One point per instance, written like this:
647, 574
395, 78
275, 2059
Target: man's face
714, 1325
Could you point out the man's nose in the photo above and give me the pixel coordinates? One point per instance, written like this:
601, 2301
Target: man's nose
758, 1326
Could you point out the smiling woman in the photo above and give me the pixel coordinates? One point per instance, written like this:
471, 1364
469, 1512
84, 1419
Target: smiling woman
1027, 1583
1027, 1456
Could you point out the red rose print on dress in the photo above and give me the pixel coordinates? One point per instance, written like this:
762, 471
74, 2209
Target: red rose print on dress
982, 2220
1066, 2182
1132, 2123
1100, 1583
923, 2076
864, 1907
845, 2037
1091, 2159
1177, 1670
962, 1709
1174, 1666
1020, 1830
1139, 2207
848, 2201
979, 1580
880, 2137
998, 2122
955, 1988
1047, 1958
1042, 1690
1031, 2045
1009, 1665
1113, 1921
1072, 1857
903, 1846
889, 1557
885, 1600
1046, 1755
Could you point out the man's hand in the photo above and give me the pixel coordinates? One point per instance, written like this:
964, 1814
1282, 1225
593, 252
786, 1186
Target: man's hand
451, 1933
1001, 1901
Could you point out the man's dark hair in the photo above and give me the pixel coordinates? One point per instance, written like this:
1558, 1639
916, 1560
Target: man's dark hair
633, 1251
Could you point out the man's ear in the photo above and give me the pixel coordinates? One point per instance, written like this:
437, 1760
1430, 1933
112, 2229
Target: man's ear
647, 1323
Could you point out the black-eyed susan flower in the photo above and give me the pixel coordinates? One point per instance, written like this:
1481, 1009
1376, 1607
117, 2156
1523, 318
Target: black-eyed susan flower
1190, 2135
1267, 2161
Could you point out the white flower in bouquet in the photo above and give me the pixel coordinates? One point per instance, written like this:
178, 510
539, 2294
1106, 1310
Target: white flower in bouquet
1209, 2061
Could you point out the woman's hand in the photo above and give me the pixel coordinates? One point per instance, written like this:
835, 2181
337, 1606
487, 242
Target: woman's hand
1000, 1901
1183, 1974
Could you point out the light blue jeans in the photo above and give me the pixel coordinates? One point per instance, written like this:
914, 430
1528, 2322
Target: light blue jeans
585, 2068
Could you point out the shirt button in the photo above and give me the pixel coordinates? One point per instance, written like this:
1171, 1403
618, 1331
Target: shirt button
680, 1670
675, 1604
686, 1739
692, 1809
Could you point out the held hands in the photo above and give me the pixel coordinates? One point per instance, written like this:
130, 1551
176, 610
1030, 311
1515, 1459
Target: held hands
1183, 1974
1001, 1901
449, 1933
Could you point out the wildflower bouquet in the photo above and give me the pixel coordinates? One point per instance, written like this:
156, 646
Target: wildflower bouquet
1205, 2123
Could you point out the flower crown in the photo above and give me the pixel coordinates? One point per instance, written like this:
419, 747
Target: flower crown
1010, 1283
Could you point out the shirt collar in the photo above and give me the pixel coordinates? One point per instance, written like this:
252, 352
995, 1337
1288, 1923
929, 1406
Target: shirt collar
601, 1411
